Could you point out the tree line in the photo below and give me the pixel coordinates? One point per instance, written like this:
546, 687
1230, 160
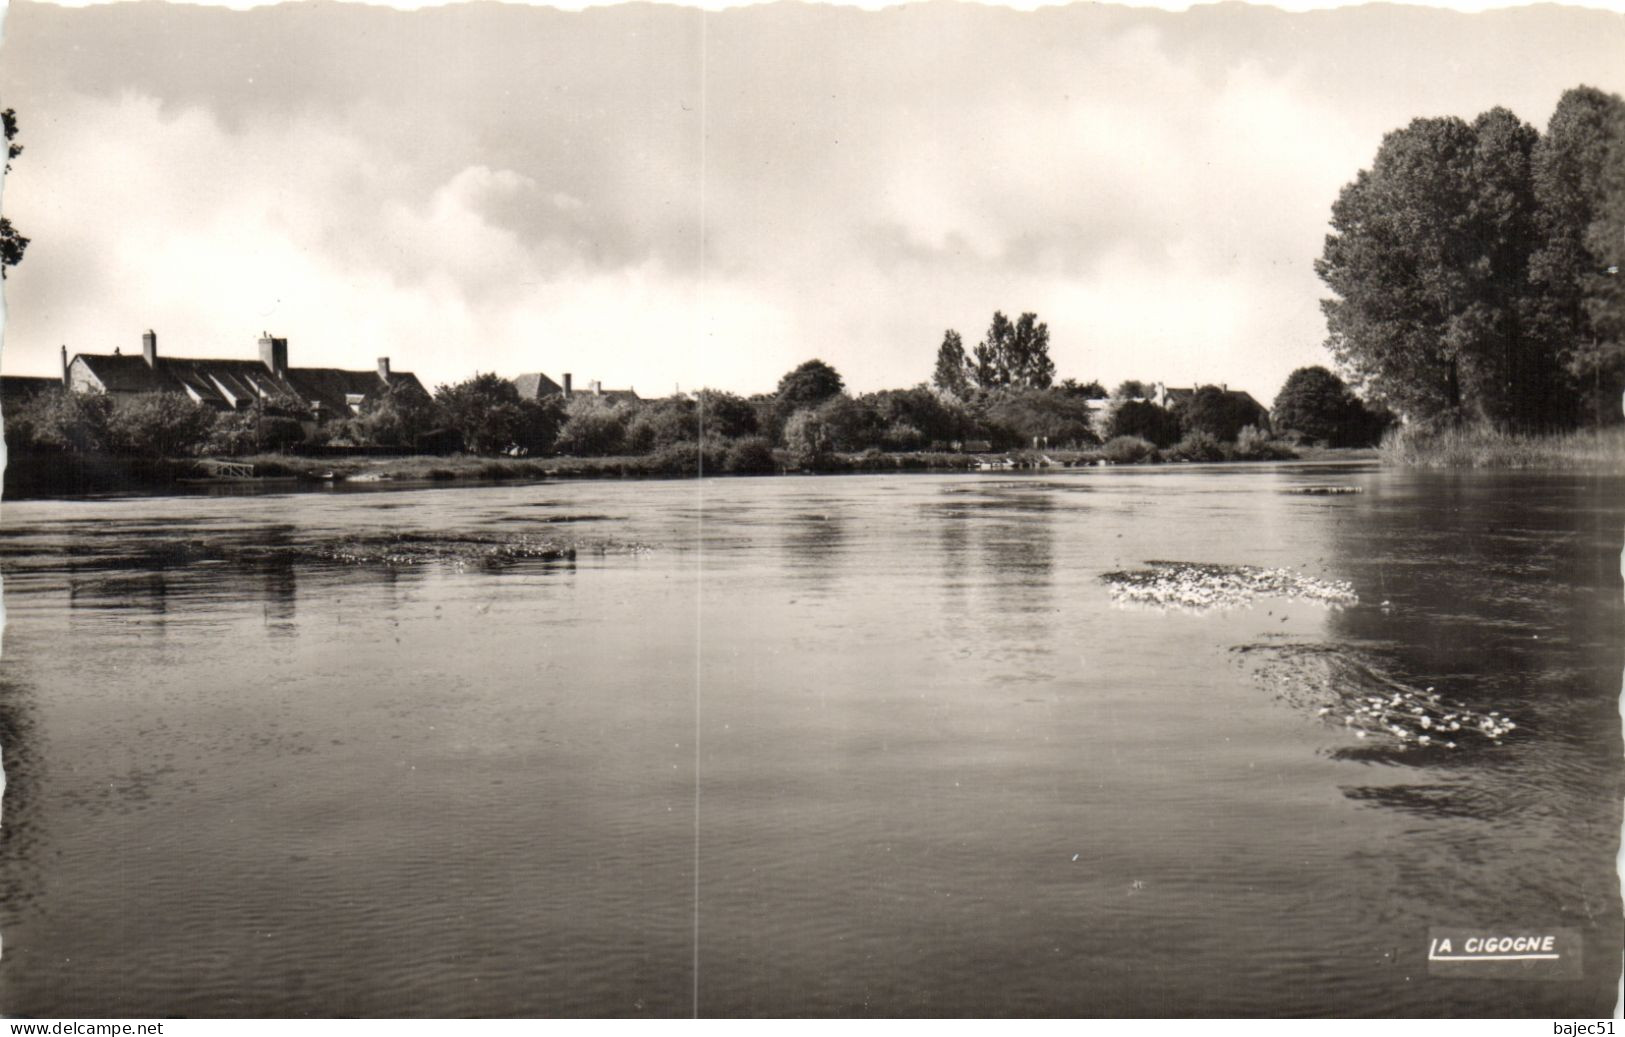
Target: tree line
1475, 269
1003, 399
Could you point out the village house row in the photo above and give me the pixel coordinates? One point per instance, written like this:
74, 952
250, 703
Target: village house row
228, 385
331, 393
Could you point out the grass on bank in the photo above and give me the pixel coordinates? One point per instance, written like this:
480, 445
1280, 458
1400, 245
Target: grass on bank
1481, 447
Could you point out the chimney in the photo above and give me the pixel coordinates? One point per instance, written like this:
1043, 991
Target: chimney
597, 387
383, 369
1224, 386
64, 365
274, 354
149, 347
567, 385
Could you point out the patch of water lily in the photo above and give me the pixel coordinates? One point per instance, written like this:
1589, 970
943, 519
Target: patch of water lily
1202, 587
1353, 694
404, 550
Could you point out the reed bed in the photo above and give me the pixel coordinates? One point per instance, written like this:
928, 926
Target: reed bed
1474, 446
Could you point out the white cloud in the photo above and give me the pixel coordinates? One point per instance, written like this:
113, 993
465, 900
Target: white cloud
1156, 191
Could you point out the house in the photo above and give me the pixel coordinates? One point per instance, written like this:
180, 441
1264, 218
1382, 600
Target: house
325, 392
612, 395
538, 386
1241, 400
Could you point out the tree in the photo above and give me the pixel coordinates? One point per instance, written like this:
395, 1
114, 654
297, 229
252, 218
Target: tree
912, 418
1088, 390
12, 243
1428, 261
1014, 417
1318, 404
807, 386
1605, 285
953, 374
807, 438
1144, 420
159, 424
1133, 389
1577, 185
1219, 414
1014, 354
485, 410
595, 427
724, 415
60, 420
659, 424
397, 416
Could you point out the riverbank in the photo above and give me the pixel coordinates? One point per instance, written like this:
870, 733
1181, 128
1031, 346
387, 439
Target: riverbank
75, 475
1478, 447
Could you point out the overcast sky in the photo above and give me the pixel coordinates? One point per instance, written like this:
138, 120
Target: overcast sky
657, 196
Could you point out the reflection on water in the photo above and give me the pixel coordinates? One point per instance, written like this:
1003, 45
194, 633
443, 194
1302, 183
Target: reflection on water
936, 771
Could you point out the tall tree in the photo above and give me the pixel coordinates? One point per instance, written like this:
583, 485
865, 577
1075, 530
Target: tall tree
1429, 262
1578, 184
1015, 354
807, 386
991, 367
12, 243
953, 372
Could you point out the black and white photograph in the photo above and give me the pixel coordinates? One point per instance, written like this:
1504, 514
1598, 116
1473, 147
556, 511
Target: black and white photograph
797, 510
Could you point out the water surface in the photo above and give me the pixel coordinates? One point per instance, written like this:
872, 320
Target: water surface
803, 746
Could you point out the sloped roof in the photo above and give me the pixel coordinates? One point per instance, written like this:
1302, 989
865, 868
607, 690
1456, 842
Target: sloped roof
1180, 395
536, 386
121, 373
224, 383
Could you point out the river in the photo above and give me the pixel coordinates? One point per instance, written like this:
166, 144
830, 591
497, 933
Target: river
828, 746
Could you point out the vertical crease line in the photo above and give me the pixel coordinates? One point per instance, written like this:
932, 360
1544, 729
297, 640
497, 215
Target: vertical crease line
699, 582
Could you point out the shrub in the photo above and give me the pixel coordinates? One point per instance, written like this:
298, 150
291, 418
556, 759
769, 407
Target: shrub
595, 428
692, 458
1254, 444
807, 438
1196, 446
1128, 450
902, 436
873, 460
278, 433
748, 455
60, 421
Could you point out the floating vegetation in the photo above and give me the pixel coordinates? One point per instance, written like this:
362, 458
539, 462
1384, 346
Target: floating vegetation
417, 549
1199, 587
1353, 693
1325, 491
